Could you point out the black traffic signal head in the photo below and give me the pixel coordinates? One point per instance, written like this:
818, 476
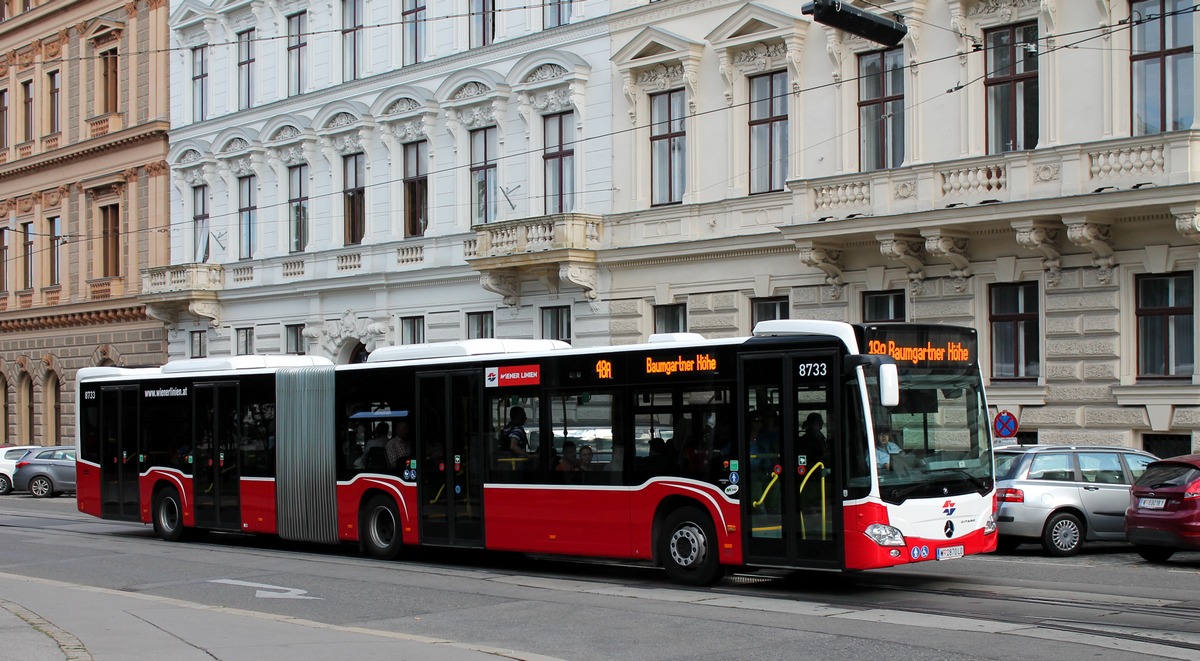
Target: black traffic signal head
841, 15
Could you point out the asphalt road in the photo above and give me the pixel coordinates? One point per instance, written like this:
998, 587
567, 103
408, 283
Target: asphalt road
73, 587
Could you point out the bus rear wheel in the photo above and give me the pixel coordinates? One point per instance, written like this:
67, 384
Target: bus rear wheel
380, 528
688, 547
168, 515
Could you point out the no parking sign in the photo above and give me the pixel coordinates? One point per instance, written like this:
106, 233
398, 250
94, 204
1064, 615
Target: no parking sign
1005, 424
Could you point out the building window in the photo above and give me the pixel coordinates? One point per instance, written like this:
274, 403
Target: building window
1166, 325
294, 334
413, 16
483, 22
3, 119
54, 251
298, 204
1013, 317
199, 344
556, 323
768, 309
668, 147
245, 68
110, 80
354, 171
245, 341
1167, 445
883, 306
484, 150
768, 132
110, 223
1012, 88
881, 109
670, 318
52, 408
200, 223
557, 12
559, 160
1162, 63
412, 330
53, 102
27, 255
297, 44
3, 259
416, 188
480, 325
199, 83
352, 33
247, 212
27, 111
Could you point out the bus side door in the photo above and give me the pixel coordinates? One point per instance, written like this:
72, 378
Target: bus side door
216, 487
791, 448
450, 445
119, 453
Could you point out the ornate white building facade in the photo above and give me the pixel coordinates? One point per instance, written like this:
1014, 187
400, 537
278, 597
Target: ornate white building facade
598, 171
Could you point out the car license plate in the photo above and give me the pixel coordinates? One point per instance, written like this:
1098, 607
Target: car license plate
950, 552
1152, 503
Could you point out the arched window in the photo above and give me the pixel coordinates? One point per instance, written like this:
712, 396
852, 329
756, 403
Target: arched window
52, 415
25, 409
359, 354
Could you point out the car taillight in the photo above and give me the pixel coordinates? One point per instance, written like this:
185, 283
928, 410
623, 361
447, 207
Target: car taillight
1192, 490
1010, 495
22, 464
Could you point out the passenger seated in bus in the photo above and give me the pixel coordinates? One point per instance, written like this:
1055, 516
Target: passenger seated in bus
398, 446
374, 455
585, 459
569, 461
811, 443
514, 433
659, 461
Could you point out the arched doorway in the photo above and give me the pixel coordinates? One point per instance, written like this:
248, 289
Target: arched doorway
359, 354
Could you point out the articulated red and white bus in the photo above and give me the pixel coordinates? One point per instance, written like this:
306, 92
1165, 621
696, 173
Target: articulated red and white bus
698, 455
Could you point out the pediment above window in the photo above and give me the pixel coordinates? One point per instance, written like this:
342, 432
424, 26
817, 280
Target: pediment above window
189, 21
103, 32
757, 39
288, 144
345, 128
655, 61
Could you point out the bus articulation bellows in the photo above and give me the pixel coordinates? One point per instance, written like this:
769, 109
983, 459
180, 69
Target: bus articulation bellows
698, 455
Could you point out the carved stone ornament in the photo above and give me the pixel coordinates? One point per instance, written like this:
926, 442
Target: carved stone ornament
552, 101
950, 247
1187, 223
193, 177
210, 310
1096, 238
401, 106
340, 120
411, 130
909, 251
1043, 238
504, 283
827, 258
156, 169
584, 275
190, 156
1046, 173
293, 155
241, 167
760, 56
660, 76
235, 145
477, 116
1005, 9
471, 90
548, 71
350, 143
286, 132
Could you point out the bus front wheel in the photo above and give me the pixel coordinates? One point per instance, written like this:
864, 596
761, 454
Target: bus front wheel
380, 528
688, 547
168, 515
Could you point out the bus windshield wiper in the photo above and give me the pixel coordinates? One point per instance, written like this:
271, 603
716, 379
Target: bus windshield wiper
898, 495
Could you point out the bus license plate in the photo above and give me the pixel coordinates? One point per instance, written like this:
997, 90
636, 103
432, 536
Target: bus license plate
950, 552
1152, 503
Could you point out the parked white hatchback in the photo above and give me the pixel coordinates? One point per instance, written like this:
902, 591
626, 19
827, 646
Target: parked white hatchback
9, 456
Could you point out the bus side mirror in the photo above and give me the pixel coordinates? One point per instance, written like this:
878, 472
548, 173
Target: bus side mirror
889, 385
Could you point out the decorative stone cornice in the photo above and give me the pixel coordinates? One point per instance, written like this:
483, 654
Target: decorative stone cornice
1042, 236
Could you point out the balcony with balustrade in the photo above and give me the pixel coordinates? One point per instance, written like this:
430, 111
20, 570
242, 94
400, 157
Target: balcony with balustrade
554, 249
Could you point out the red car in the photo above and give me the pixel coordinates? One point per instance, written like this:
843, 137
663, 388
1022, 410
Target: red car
1164, 508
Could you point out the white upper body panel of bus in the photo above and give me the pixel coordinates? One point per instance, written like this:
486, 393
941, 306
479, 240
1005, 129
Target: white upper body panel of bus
462, 348
195, 365
783, 327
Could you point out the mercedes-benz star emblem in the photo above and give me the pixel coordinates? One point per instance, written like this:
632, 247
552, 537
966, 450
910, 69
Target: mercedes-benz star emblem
949, 529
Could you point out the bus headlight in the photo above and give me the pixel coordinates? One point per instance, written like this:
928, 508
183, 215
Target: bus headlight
884, 535
989, 526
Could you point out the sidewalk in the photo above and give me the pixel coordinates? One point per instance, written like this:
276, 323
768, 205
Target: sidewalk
43, 620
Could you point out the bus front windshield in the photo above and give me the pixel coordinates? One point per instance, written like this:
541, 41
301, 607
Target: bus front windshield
935, 442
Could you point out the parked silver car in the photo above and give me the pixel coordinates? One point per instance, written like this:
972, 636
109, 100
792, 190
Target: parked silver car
47, 472
9, 456
1063, 496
